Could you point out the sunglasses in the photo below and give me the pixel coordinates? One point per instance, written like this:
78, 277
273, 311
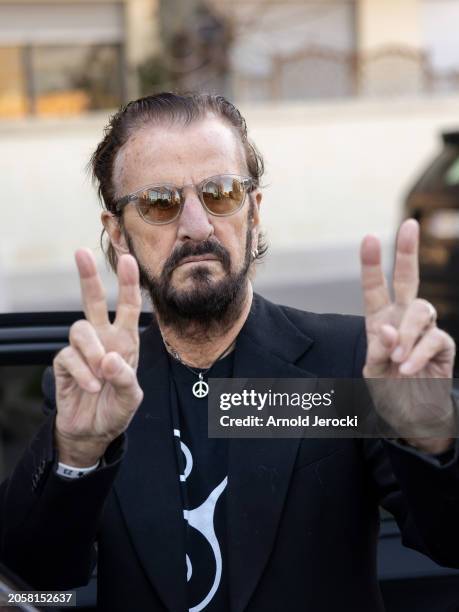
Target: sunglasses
221, 195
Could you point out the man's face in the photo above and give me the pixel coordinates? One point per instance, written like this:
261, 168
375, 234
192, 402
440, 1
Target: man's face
220, 246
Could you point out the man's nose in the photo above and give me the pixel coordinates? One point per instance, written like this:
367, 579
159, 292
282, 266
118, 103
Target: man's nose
194, 221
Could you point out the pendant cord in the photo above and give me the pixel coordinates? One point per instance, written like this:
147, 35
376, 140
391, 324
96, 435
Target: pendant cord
199, 372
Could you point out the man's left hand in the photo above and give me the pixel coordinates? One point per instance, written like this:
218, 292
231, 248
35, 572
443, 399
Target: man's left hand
403, 339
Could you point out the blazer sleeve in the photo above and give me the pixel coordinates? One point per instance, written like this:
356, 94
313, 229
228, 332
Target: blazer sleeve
49, 524
420, 490
422, 494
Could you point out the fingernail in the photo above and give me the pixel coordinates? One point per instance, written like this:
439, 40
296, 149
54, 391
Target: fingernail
397, 354
406, 368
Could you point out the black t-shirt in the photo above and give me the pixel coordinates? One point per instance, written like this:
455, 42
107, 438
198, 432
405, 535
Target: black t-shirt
203, 474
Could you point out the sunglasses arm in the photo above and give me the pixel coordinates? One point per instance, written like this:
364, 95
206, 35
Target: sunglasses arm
122, 202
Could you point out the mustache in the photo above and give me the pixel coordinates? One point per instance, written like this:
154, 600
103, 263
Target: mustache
190, 249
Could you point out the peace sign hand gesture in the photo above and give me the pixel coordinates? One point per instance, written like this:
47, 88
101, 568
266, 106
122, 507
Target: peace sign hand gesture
402, 337
97, 391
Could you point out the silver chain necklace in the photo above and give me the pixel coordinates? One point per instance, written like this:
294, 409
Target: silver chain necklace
201, 387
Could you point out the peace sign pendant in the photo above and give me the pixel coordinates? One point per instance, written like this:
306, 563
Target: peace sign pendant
200, 387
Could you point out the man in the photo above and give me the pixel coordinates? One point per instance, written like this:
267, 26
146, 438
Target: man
182, 521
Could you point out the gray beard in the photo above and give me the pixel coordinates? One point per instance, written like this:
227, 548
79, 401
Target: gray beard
209, 307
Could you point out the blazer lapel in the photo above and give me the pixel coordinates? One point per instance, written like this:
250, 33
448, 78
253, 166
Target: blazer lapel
148, 486
259, 469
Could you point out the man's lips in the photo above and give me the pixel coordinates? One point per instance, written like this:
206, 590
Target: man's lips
198, 259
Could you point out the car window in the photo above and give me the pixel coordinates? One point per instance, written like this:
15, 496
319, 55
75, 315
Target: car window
21, 411
443, 174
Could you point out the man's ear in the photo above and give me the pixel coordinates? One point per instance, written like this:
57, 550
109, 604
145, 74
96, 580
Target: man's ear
115, 233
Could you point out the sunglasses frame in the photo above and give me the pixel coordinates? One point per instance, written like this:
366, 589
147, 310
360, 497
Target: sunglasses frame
246, 181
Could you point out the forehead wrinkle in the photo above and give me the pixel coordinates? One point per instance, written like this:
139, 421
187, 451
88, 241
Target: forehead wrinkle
120, 162
130, 158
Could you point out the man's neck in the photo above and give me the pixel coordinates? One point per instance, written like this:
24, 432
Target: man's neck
201, 350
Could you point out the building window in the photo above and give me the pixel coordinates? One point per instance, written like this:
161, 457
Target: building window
13, 99
60, 79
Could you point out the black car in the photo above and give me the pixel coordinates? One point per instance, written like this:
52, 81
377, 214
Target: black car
434, 201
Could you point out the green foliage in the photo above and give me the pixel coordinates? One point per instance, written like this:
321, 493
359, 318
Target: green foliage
154, 75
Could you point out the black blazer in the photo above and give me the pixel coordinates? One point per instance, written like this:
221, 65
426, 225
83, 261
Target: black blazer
302, 515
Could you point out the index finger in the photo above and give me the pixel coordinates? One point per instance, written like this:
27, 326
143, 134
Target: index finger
406, 270
92, 290
129, 296
374, 286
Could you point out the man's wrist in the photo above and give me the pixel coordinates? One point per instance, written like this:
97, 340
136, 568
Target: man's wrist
80, 458
81, 454
439, 445
430, 446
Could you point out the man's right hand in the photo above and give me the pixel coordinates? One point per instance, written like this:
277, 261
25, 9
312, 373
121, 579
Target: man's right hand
97, 392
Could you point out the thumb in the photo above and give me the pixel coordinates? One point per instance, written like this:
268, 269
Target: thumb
122, 377
380, 347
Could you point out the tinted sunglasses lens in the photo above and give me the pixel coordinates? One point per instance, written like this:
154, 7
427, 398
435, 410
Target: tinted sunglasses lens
223, 195
159, 205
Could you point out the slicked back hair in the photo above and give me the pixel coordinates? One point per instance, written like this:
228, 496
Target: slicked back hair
156, 109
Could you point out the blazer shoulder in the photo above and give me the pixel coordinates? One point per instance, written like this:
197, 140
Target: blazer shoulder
331, 325
338, 344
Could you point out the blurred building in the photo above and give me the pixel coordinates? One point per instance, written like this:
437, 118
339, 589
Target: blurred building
69, 57
344, 97
336, 48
